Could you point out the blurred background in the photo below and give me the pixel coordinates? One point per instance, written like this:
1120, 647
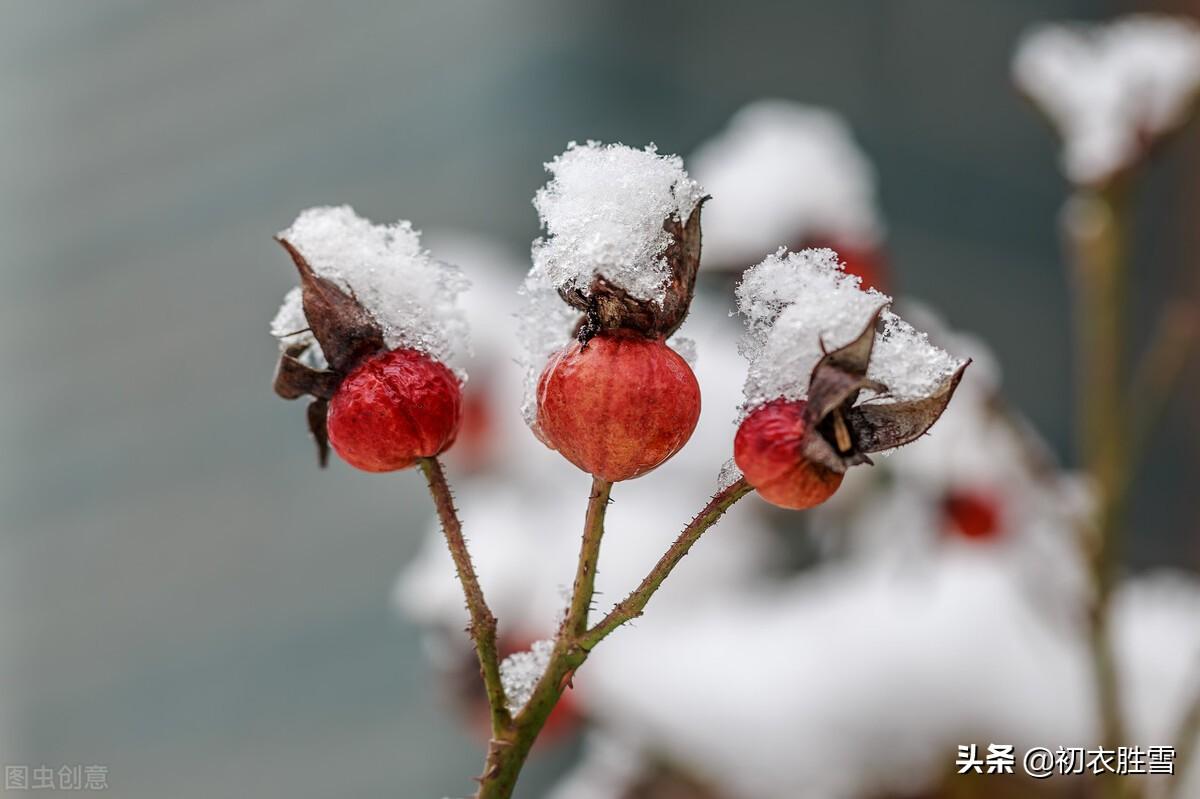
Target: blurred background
184, 596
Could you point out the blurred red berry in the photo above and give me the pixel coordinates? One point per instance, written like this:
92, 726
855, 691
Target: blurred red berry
866, 262
619, 405
973, 515
768, 448
394, 408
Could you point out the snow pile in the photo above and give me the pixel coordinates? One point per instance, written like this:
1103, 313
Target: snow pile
520, 672
603, 214
797, 306
780, 173
410, 295
1108, 88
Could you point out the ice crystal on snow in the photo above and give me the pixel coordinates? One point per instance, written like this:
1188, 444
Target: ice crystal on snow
411, 296
1108, 88
521, 671
797, 306
603, 214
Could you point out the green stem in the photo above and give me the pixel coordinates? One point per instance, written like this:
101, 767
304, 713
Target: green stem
574, 642
634, 605
1096, 231
575, 622
483, 623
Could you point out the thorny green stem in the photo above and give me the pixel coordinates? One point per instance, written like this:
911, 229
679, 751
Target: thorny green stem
507, 754
575, 622
483, 623
634, 604
1095, 228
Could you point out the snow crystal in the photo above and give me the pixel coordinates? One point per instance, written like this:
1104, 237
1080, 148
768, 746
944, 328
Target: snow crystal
782, 172
729, 474
603, 214
521, 671
1108, 87
799, 305
412, 297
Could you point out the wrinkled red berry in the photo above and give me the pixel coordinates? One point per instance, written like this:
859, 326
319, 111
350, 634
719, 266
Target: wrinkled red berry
767, 448
971, 514
394, 408
619, 405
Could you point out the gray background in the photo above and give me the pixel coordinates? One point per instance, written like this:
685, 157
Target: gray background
185, 597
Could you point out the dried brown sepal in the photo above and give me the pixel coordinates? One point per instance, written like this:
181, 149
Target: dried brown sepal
344, 329
839, 434
295, 379
318, 411
607, 307
882, 426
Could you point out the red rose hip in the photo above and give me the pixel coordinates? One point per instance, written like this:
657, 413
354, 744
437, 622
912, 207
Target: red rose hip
394, 408
619, 405
767, 448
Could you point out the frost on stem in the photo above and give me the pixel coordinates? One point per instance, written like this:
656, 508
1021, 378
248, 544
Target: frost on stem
520, 672
729, 474
1112, 89
783, 173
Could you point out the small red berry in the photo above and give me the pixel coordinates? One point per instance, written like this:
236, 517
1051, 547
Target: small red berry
767, 448
394, 408
971, 514
619, 405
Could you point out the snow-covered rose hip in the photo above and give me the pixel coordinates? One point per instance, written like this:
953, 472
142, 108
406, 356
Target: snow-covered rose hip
368, 334
817, 344
767, 449
617, 406
392, 409
611, 281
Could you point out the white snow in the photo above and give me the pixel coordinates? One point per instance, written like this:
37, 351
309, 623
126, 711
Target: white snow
1107, 88
603, 214
412, 296
544, 326
290, 327
729, 474
780, 173
799, 305
520, 672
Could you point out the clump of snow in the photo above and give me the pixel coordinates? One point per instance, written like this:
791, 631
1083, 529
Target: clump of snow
603, 213
780, 173
729, 474
799, 305
1107, 88
411, 296
520, 672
